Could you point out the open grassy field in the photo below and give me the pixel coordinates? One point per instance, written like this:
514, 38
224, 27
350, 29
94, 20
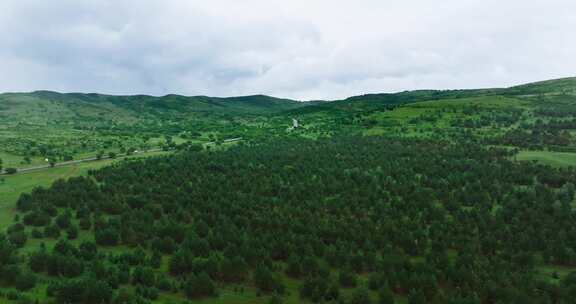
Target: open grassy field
555, 159
429, 117
12, 160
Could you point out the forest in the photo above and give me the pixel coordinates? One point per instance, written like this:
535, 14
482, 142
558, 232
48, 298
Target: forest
338, 220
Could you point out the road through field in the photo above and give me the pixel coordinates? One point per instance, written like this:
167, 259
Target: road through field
104, 157
84, 160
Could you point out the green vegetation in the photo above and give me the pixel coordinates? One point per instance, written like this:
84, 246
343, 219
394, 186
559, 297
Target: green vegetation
459, 196
12, 186
48, 127
535, 117
555, 159
40, 127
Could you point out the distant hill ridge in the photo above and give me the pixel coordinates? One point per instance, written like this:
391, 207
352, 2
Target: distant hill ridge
257, 104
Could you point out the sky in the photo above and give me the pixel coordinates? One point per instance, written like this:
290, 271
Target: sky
300, 49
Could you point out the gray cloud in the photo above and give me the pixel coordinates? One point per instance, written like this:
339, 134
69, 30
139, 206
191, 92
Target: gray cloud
298, 49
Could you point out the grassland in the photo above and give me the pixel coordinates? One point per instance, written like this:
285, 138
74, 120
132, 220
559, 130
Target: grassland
435, 117
48, 125
554, 159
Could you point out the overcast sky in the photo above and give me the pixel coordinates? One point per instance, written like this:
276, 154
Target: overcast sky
303, 49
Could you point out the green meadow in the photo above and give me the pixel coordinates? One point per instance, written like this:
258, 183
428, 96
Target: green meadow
555, 159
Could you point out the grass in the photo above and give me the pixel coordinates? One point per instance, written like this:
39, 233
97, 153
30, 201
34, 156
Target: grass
553, 272
16, 161
421, 118
554, 159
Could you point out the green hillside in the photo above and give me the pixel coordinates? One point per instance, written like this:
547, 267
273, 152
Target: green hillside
565, 86
130, 108
517, 117
371, 102
43, 124
48, 125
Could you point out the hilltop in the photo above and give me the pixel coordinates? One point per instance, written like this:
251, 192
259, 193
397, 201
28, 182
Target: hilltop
566, 86
46, 105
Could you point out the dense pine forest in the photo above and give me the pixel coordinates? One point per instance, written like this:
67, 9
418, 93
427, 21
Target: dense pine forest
340, 220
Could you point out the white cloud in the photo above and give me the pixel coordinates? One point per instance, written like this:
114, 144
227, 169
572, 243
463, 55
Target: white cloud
300, 49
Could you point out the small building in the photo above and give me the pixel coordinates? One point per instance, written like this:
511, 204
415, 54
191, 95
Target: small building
294, 123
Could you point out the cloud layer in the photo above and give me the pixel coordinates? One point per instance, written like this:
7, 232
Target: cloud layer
315, 49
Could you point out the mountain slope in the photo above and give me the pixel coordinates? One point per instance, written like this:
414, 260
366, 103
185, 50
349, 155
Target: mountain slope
369, 102
555, 86
140, 104
45, 123
33, 107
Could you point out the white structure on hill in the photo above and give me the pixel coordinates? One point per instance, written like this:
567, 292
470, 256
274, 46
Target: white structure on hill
294, 123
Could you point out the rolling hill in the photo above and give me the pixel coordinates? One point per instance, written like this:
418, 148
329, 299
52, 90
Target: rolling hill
45, 124
46, 105
565, 86
368, 102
